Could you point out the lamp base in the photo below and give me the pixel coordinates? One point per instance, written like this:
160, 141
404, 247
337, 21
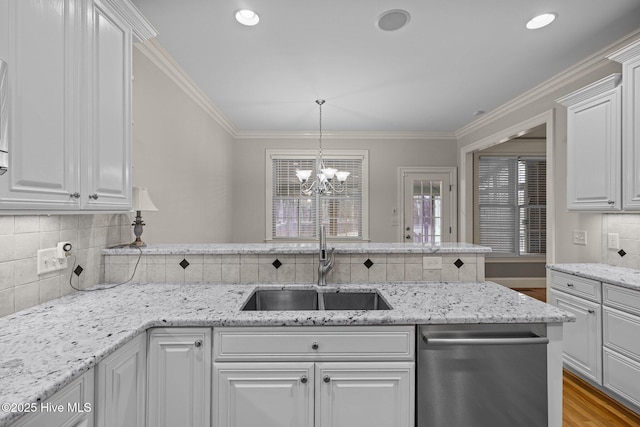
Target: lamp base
137, 244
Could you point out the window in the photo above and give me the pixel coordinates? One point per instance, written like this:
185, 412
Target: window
294, 216
512, 205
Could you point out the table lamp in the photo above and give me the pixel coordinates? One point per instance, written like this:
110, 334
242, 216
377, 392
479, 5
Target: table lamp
141, 202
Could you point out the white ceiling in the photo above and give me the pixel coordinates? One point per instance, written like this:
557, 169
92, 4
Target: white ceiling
453, 58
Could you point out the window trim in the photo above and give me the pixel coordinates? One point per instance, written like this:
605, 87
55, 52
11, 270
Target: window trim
272, 154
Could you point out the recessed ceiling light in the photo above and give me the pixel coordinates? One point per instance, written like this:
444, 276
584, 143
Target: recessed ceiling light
393, 20
247, 17
541, 21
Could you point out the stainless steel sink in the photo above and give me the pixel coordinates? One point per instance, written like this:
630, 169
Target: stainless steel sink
354, 301
309, 299
282, 300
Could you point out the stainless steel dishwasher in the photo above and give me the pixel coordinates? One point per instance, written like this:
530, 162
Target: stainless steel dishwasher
482, 375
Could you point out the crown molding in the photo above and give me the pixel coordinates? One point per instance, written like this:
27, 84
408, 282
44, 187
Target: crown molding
601, 86
626, 53
430, 136
163, 60
142, 29
566, 77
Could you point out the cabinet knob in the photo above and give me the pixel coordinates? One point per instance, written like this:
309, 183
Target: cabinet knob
315, 346
611, 202
408, 228
198, 343
591, 311
93, 196
571, 285
304, 379
326, 378
75, 195
408, 236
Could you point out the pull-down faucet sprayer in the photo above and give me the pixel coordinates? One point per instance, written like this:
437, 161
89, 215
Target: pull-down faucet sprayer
325, 262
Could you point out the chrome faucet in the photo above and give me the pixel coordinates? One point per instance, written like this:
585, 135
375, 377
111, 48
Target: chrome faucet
325, 262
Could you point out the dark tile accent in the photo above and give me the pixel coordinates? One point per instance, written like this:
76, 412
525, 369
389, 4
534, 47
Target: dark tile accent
184, 264
277, 264
458, 263
368, 263
78, 271
621, 252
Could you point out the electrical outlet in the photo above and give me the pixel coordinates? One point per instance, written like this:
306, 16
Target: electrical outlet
613, 241
48, 261
580, 237
432, 263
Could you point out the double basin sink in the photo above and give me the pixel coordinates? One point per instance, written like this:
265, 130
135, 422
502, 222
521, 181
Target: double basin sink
310, 299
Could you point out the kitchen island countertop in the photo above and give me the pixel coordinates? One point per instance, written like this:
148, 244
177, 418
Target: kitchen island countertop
47, 346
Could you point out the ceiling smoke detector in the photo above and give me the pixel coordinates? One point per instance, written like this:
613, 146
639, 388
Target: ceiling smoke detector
393, 20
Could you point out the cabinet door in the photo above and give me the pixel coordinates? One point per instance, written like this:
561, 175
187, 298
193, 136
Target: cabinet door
582, 339
263, 394
43, 44
367, 394
179, 377
107, 156
70, 407
594, 145
631, 129
120, 386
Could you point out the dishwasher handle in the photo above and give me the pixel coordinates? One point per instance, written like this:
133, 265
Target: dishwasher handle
489, 340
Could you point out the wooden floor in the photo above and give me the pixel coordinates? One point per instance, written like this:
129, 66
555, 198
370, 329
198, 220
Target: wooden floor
584, 405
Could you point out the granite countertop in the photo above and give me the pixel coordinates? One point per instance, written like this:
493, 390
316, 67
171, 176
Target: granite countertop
296, 248
47, 346
621, 276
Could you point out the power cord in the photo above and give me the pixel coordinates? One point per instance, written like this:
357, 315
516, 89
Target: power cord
135, 268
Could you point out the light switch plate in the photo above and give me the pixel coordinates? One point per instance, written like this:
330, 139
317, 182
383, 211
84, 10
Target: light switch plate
613, 241
48, 261
580, 237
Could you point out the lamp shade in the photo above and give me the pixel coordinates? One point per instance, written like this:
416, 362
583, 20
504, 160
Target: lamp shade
141, 200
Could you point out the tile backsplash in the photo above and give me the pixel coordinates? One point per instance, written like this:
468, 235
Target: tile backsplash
627, 226
21, 237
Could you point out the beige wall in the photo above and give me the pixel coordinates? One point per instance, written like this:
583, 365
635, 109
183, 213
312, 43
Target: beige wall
183, 156
565, 222
385, 156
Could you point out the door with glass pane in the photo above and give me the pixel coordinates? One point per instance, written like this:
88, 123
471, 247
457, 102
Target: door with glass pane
427, 207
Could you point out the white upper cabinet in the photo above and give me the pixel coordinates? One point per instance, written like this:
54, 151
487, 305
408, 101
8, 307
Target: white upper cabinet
594, 146
68, 103
630, 59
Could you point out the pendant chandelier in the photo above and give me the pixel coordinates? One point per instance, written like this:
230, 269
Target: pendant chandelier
326, 180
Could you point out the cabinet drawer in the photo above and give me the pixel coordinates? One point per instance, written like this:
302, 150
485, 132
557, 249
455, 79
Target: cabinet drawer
621, 331
622, 376
622, 298
579, 286
314, 343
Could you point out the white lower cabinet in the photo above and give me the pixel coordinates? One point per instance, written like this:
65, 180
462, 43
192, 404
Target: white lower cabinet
582, 339
321, 380
179, 377
70, 407
263, 394
121, 386
621, 352
369, 394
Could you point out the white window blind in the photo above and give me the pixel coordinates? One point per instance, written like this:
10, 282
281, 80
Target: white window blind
512, 205
295, 216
